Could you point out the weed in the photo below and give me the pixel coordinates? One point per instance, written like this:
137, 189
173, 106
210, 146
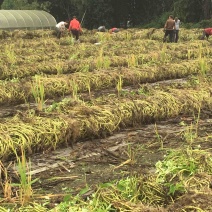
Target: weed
143, 91
74, 87
203, 66
180, 165
129, 188
88, 85
191, 131
189, 54
59, 67
132, 61
70, 40
200, 51
6, 184
158, 136
128, 36
190, 134
85, 68
119, 85
102, 37
102, 61
38, 92
25, 186
10, 54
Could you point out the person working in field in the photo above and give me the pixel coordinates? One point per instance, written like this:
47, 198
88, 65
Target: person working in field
177, 29
169, 28
60, 28
102, 29
75, 28
114, 30
206, 33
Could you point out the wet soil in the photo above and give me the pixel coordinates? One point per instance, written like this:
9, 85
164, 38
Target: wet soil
89, 163
132, 151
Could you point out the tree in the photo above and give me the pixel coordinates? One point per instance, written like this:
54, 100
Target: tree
193, 10
206, 9
22, 4
115, 13
1, 2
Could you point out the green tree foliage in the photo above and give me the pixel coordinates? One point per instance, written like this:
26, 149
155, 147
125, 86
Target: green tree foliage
24, 5
193, 10
188, 10
115, 13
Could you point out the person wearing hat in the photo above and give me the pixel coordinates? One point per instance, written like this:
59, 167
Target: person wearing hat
60, 28
75, 28
206, 33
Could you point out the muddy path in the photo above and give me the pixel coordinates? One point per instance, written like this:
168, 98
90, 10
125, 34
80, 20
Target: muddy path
132, 151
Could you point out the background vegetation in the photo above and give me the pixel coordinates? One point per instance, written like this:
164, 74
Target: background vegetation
145, 13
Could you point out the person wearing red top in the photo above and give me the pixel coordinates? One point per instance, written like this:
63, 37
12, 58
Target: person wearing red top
206, 33
75, 27
114, 30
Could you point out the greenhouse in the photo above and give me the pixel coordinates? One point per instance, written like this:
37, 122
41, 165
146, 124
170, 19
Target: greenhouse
26, 19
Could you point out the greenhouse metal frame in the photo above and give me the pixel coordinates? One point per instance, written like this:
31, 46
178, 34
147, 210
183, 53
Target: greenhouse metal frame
26, 19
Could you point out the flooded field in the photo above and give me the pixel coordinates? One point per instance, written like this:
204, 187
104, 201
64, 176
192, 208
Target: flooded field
125, 125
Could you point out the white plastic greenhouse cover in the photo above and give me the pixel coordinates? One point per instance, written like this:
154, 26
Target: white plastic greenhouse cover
26, 19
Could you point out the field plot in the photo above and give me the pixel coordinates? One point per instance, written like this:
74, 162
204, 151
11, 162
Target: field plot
115, 122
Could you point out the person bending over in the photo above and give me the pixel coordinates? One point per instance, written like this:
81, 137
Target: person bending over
75, 28
114, 30
102, 29
60, 28
206, 33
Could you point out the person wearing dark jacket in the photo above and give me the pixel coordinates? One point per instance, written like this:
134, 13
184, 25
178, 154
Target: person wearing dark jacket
75, 28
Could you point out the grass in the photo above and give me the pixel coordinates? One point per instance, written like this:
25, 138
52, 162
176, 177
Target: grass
25, 191
38, 93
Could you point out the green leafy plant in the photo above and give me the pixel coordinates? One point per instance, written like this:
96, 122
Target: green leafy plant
129, 188
203, 66
180, 165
